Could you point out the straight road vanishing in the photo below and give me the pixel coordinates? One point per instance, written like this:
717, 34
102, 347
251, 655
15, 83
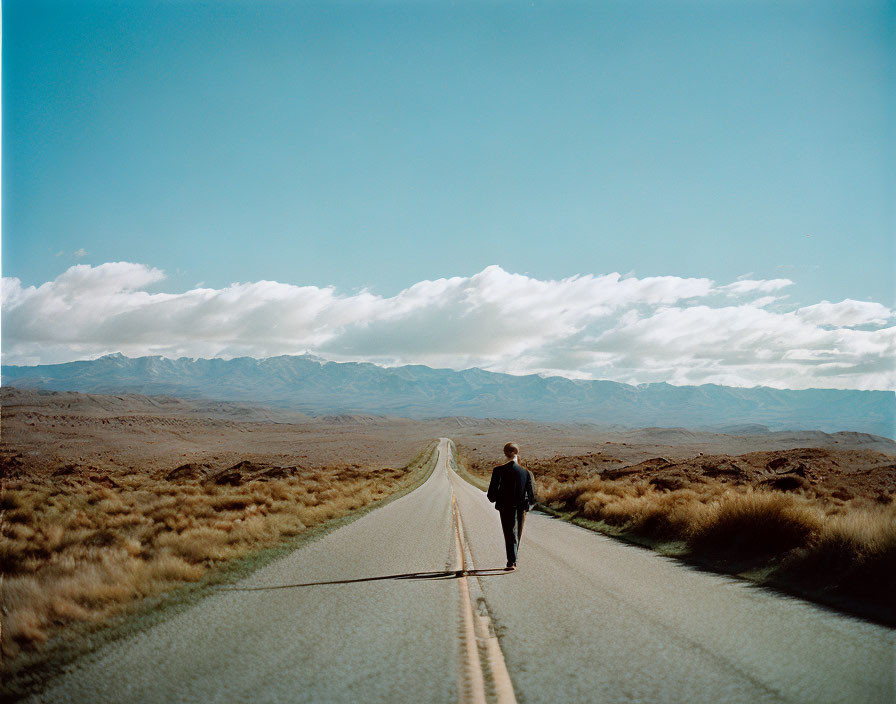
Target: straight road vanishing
584, 619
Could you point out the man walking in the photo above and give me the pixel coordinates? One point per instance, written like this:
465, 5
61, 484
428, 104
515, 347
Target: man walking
511, 490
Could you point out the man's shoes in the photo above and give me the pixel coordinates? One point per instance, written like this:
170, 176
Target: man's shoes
510, 566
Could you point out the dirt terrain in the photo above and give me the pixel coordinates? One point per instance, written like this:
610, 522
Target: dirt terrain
45, 432
103, 438
842, 474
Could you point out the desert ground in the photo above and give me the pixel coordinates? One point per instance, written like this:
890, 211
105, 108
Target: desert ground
109, 501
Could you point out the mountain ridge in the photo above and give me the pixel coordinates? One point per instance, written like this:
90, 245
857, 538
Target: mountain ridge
309, 384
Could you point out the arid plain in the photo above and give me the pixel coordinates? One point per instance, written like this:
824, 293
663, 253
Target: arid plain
110, 502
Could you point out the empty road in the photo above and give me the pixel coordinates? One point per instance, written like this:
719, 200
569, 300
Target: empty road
405, 605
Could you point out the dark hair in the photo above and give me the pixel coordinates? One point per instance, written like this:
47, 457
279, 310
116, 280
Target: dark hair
511, 449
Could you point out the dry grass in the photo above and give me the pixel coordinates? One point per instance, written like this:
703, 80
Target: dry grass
737, 523
73, 551
754, 525
855, 551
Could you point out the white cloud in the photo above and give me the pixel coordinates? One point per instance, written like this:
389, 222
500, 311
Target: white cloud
80, 253
763, 301
747, 345
664, 328
848, 313
744, 286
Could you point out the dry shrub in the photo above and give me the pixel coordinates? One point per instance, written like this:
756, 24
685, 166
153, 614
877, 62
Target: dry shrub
755, 524
636, 507
198, 544
166, 567
854, 553
711, 516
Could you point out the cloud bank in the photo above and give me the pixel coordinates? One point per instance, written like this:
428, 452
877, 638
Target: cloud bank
665, 328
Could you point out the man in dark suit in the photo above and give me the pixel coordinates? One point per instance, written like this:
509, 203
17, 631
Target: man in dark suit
511, 490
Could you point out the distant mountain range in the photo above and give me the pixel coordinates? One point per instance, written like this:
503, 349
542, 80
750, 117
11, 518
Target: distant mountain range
308, 384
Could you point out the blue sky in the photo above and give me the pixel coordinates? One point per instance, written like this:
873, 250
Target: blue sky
375, 145
384, 143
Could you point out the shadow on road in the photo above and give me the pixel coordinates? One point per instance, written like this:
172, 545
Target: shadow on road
446, 574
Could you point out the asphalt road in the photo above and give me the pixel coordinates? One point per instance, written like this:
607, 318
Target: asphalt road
584, 619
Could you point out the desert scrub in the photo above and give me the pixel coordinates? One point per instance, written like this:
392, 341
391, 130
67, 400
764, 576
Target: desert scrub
730, 521
854, 553
755, 525
74, 550
840, 550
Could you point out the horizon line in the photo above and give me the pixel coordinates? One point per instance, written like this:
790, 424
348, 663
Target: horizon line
323, 360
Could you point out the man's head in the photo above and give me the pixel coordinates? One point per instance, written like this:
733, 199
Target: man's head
511, 450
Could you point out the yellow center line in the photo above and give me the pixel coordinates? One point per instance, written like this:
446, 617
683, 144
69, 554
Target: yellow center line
480, 650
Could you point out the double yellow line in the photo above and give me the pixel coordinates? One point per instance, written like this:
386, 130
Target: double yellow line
483, 675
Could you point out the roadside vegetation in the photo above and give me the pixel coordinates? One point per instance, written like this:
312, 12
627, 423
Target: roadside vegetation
75, 550
784, 524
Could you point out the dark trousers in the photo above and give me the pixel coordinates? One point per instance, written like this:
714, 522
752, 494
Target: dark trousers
512, 520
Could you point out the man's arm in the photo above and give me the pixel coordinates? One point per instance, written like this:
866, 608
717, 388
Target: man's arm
494, 485
530, 491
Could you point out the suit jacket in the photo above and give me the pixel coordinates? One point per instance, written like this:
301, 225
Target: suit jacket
511, 487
